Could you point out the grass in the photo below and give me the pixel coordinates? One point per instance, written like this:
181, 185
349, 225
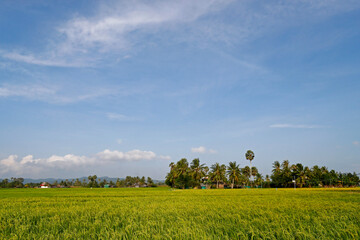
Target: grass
181, 214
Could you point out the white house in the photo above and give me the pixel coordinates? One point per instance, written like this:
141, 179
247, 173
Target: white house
44, 185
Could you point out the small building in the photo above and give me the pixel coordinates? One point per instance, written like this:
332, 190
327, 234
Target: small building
44, 185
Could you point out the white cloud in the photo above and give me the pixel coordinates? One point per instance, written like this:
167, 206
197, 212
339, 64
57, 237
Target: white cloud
120, 117
29, 164
112, 28
34, 91
294, 126
200, 149
165, 157
51, 94
212, 151
12, 165
356, 143
203, 149
29, 58
134, 155
119, 27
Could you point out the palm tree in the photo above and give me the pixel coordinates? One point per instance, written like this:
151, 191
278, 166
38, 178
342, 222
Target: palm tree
259, 179
276, 167
182, 166
250, 156
286, 173
246, 173
172, 175
254, 171
233, 173
182, 172
218, 173
198, 171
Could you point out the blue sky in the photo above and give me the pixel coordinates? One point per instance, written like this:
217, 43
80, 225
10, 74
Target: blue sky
125, 87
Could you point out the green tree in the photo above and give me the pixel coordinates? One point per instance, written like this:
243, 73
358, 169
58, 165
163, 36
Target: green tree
217, 173
150, 182
233, 172
249, 155
171, 176
142, 181
182, 171
197, 171
254, 171
92, 181
246, 175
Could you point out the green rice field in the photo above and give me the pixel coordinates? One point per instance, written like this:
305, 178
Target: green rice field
162, 213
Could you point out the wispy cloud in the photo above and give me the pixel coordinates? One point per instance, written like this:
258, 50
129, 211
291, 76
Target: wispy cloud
29, 58
356, 143
111, 27
121, 117
82, 40
50, 93
13, 164
114, 28
32, 92
203, 149
294, 126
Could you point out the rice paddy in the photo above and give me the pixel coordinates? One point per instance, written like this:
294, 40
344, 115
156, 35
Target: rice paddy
162, 213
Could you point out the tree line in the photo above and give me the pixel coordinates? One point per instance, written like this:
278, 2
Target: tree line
91, 182
195, 175
286, 175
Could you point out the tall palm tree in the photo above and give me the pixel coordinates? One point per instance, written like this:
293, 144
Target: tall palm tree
172, 175
182, 166
276, 167
218, 173
233, 173
286, 173
182, 171
250, 156
198, 171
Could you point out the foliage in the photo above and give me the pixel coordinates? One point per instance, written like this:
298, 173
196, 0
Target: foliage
284, 175
234, 173
92, 182
217, 174
249, 155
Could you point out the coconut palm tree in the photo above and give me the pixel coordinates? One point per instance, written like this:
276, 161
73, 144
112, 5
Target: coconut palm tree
218, 173
182, 171
286, 173
198, 171
233, 172
250, 156
182, 166
172, 175
246, 173
259, 179
254, 171
276, 167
